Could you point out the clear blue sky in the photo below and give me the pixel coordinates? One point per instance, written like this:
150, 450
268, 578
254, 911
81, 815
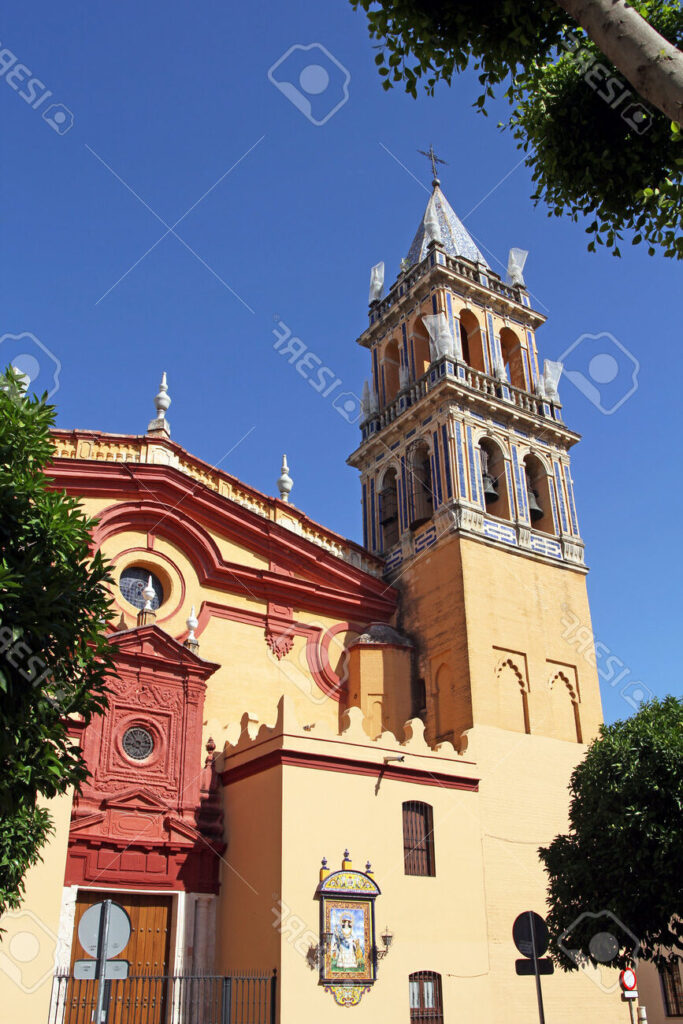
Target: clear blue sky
171, 96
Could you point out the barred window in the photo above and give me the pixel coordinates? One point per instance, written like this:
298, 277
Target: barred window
418, 838
426, 1006
673, 989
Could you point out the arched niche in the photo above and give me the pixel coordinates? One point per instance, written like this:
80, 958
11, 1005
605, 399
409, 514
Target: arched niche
421, 487
513, 700
472, 341
513, 357
421, 350
538, 484
494, 479
390, 362
565, 705
389, 522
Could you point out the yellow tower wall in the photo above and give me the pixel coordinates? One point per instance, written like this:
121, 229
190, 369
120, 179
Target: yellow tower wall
492, 644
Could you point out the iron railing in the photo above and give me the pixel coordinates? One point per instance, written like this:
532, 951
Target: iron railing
172, 999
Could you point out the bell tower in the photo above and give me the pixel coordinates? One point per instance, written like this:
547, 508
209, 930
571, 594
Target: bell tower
467, 492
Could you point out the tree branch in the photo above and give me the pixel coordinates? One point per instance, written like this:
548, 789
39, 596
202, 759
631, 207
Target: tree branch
652, 65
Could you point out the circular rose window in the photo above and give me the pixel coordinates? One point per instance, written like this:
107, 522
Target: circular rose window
137, 743
133, 581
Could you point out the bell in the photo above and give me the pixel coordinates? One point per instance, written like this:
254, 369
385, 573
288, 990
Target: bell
535, 510
490, 490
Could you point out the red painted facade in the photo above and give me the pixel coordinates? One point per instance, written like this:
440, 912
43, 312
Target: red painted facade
157, 822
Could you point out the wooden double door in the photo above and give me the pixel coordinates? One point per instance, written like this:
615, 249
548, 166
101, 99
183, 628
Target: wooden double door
141, 999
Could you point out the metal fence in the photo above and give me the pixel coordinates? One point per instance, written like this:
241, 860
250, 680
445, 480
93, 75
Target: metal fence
174, 999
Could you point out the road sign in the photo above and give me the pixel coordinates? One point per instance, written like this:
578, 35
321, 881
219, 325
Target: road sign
530, 934
629, 984
118, 932
527, 967
628, 980
114, 969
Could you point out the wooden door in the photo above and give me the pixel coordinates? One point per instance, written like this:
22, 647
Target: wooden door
148, 953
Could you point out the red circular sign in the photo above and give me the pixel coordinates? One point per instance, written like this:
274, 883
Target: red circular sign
628, 980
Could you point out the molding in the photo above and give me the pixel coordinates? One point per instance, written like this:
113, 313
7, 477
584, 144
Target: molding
349, 766
161, 500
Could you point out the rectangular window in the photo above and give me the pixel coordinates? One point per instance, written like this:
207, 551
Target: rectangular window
418, 838
673, 989
425, 998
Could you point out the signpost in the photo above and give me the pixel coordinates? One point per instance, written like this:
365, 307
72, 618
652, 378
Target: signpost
104, 932
530, 935
629, 991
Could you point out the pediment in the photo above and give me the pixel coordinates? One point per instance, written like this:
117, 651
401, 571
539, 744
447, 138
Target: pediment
154, 643
135, 799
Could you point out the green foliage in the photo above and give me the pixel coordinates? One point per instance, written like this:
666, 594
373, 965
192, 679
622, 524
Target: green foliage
623, 853
434, 39
54, 657
573, 118
586, 159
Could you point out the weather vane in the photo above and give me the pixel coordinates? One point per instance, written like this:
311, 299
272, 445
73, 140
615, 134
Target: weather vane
431, 155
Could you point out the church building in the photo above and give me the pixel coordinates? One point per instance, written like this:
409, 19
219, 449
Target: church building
326, 769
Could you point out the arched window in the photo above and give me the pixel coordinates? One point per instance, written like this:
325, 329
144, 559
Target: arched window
472, 341
426, 1003
390, 367
512, 357
388, 498
494, 479
538, 494
418, 838
422, 505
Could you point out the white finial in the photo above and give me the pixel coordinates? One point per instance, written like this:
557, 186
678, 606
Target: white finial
284, 482
192, 622
162, 400
149, 594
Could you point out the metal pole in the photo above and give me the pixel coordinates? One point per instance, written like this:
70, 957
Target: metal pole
102, 944
539, 995
632, 1010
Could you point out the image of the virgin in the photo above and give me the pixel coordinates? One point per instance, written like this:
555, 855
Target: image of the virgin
345, 952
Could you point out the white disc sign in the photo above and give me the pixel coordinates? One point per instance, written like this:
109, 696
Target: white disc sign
119, 930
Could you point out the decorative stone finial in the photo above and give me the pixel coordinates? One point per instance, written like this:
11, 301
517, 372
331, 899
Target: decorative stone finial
210, 751
368, 868
324, 870
147, 615
346, 863
160, 426
284, 482
148, 593
191, 641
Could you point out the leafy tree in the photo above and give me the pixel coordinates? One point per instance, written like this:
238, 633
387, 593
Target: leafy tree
623, 854
54, 656
593, 147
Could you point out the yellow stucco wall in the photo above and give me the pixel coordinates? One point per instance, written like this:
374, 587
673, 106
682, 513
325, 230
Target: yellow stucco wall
30, 945
475, 607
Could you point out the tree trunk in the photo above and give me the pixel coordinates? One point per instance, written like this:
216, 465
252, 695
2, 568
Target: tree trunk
645, 58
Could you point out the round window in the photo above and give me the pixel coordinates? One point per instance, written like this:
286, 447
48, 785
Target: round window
138, 743
133, 581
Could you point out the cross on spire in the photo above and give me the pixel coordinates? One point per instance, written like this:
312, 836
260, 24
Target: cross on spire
431, 155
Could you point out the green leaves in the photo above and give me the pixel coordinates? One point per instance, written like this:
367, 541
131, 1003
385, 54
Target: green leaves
623, 854
54, 655
588, 156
